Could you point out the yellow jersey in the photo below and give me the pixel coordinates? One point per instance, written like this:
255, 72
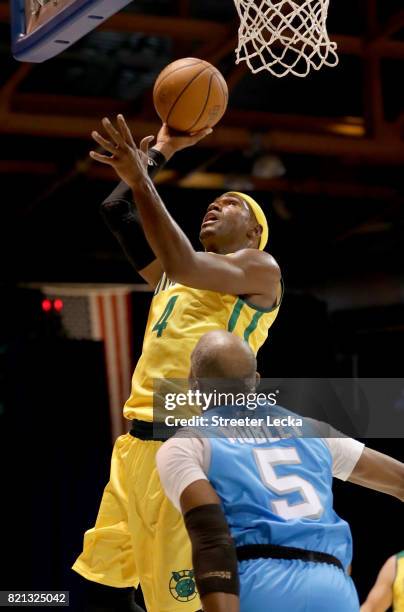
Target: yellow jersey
398, 585
178, 317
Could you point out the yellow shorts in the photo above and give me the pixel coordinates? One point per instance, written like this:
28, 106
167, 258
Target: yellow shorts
139, 536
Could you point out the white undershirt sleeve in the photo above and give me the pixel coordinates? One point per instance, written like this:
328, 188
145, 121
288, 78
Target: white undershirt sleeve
345, 453
180, 462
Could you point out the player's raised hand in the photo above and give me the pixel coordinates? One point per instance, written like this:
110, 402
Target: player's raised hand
128, 161
169, 141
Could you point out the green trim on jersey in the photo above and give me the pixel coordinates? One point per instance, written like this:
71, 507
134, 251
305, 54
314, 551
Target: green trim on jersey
235, 315
253, 325
272, 308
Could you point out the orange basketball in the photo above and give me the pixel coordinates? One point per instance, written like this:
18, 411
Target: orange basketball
190, 95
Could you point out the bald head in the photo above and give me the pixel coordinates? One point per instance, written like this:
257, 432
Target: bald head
222, 355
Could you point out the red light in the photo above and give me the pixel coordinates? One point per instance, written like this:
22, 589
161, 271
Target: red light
46, 305
58, 305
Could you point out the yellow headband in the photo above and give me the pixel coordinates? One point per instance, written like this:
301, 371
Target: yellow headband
259, 215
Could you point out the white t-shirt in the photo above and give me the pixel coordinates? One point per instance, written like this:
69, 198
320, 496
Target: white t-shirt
183, 460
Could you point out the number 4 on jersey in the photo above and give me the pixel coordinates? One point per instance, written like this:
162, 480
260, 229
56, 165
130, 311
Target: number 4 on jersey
161, 324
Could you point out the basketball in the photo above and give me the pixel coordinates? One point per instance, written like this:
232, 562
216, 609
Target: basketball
190, 95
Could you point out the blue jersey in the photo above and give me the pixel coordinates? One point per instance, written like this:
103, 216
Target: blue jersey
278, 491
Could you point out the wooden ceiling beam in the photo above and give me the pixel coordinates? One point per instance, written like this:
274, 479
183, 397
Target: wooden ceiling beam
260, 120
183, 8
11, 85
26, 166
82, 106
373, 102
393, 25
60, 126
295, 186
365, 149
213, 50
94, 107
311, 186
353, 45
176, 27
200, 180
224, 137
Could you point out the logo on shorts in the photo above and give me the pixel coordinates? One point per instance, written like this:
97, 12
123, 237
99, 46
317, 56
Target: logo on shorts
182, 585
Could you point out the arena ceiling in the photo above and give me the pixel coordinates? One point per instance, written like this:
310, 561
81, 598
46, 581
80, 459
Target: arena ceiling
317, 146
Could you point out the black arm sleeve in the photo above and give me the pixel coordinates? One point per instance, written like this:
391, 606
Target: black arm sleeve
213, 552
120, 215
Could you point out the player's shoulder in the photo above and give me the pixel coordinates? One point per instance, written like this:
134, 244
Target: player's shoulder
261, 258
171, 451
389, 568
184, 443
179, 453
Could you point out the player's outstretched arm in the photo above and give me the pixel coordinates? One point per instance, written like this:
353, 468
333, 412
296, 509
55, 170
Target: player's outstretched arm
119, 209
380, 472
381, 596
121, 217
247, 272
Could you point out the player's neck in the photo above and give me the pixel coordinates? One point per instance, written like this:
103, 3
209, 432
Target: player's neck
222, 249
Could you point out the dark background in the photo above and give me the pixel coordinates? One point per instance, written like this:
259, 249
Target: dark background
336, 229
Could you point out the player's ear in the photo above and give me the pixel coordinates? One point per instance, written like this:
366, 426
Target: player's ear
259, 231
193, 382
254, 234
257, 379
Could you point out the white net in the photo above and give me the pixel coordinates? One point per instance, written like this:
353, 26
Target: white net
284, 36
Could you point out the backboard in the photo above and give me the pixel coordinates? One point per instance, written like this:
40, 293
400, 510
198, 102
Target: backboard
42, 29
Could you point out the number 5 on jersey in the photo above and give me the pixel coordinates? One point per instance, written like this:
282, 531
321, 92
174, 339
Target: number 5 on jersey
161, 324
267, 459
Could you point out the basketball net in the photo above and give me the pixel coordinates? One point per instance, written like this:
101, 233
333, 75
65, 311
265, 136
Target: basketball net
284, 36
